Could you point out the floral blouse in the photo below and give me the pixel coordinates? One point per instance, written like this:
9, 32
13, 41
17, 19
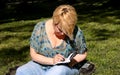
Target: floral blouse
41, 44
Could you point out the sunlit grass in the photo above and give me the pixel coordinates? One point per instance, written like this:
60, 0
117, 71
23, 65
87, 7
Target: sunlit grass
103, 41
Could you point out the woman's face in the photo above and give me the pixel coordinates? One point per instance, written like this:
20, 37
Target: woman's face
58, 31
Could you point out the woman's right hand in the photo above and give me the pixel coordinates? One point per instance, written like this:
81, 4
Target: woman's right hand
58, 58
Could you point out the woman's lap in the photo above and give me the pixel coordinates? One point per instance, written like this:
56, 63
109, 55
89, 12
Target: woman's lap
32, 68
61, 70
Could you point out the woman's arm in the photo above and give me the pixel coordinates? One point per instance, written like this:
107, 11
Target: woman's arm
78, 58
43, 59
40, 58
80, 44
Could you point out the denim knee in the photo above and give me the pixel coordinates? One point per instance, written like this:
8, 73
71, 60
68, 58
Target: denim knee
20, 71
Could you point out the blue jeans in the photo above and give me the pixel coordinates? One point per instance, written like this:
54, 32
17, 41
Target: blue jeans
32, 68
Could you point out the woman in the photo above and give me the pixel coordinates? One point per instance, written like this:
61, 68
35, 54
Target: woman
52, 41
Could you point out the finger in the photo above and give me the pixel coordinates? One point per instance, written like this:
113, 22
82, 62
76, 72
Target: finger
60, 55
61, 59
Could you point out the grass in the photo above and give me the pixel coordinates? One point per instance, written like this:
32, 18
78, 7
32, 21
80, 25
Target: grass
14, 43
102, 38
104, 42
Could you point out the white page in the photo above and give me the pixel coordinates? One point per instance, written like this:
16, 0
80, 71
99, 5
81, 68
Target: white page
67, 60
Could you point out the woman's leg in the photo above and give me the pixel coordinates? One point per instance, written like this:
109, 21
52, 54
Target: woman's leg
61, 70
31, 68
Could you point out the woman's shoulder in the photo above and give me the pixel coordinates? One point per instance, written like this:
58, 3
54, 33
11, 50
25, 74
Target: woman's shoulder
40, 24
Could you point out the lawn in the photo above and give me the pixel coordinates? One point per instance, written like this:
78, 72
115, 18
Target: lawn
102, 35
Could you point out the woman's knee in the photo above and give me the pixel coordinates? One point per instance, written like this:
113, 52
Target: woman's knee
20, 71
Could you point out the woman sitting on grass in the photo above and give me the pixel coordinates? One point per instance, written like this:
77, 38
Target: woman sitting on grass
52, 41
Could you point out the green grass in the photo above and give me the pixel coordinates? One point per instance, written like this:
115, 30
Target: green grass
14, 43
103, 43
102, 38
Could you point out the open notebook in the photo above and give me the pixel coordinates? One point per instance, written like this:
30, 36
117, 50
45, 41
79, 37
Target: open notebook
68, 59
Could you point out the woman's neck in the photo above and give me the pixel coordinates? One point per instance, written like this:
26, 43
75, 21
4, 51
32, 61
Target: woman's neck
51, 29
54, 40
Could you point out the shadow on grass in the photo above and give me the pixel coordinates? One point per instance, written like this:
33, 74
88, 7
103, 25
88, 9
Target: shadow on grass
19, 28
28, 11
104, 34
31, 11
8, 55
20, 32
99, 15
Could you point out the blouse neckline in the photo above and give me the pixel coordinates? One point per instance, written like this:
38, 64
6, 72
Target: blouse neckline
59, 47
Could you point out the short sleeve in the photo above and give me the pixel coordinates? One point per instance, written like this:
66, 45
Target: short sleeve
80, 42
36, 37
